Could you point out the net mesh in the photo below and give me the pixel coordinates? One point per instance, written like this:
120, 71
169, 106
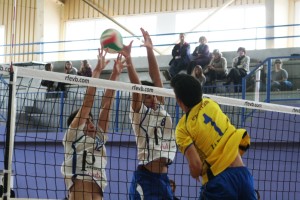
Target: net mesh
41, 116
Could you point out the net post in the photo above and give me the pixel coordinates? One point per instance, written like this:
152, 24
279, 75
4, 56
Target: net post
177, 113
269, 80
61, 117
10, 133
116, 125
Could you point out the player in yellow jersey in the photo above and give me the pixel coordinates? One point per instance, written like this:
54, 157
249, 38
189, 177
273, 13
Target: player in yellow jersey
211, 144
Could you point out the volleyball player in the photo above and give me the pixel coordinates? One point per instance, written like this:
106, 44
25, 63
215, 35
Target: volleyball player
152, 126
211, 144
85, 153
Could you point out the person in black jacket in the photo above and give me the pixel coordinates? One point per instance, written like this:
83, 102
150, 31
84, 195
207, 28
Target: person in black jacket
200, 56
180, 60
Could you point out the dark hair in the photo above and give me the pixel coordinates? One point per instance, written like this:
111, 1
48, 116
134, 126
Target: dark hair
48, 66
73, 115
241, 49
278, 61
148, 83
187, 89
68, 62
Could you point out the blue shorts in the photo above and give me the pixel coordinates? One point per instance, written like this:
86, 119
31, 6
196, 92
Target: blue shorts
150, 186
233, 184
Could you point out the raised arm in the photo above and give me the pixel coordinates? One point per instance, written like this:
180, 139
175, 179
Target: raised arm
154, 71
88, 101
108, 97
153, 66
133, 77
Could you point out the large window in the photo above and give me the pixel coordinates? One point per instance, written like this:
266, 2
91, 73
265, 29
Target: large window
1, 44
84, 36
297, 21
226, 30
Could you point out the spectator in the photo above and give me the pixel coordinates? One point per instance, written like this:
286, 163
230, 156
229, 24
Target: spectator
85, 69
279, 78
217, 68
200, 56
173, 187
181, 59
198, 74
69, 69
240, 68
52, 86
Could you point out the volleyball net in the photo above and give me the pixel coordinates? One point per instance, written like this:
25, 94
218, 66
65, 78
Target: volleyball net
32, 152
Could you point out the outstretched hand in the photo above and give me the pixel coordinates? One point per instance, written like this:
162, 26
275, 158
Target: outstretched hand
147, 39
126, 51
118, 66
101, 64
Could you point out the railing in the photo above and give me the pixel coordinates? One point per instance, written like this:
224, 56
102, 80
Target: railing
252, 38
256, 72
58, 103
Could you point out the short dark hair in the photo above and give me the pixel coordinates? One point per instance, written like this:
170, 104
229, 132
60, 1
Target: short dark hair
187, 89
148, 83
73, 115
241, 49
278, 61
48, 66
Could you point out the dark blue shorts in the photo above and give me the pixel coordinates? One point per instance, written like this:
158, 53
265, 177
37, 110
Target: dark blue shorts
150, 186
235, 183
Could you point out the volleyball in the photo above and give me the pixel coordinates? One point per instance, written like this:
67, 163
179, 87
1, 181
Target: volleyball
112, 40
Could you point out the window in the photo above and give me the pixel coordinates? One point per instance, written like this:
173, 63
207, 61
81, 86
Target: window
233, 25
1, 44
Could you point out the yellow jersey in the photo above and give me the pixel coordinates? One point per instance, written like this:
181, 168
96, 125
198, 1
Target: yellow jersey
217, 141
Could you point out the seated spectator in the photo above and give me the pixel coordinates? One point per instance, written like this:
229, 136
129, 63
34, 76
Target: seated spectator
240, 68
181, 59
200, 56
217, 68
69, 69
198, 74
173, 187
52, 85
279, 78
85, 69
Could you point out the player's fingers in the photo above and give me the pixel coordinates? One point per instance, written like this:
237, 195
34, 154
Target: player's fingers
119, 57
130, 44
105, 53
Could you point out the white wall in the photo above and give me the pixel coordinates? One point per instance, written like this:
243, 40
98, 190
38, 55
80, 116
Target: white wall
1, 43
51, 28
297, 21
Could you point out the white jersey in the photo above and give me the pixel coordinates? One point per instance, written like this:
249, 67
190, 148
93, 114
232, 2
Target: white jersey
154, 135
85, 157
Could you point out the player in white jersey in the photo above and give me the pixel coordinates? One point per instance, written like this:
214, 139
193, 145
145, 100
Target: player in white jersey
152, 126
85, 154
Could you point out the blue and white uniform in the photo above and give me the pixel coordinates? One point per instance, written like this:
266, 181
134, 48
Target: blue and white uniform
85, 157
154, 134
155, 139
